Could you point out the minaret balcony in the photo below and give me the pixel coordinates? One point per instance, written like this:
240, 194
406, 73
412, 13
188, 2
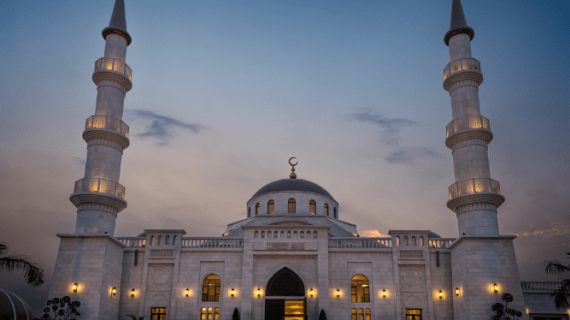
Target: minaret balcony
113, 70
479, 190
106, 127
469, 127
462, 69
89, 190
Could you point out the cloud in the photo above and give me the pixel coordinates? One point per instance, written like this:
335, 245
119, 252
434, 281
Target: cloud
390, 127
373, 234
546, 230
79, 160
161, 128
409, 155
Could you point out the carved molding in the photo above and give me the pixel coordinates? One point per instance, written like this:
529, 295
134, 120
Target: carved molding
97, 207
469, 134
467, 75
476, 207
464, 83
86, 197
102, 75
411, 254
469, 142
104, 136
492, 198
113, 84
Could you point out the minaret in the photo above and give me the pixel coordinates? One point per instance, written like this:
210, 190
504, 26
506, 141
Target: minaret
474, 197
98, 196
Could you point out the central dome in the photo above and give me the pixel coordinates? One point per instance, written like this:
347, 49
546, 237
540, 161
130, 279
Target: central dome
292, 185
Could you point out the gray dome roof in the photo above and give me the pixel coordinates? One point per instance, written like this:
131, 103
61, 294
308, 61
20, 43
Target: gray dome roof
13, 307
433, 235
292, 185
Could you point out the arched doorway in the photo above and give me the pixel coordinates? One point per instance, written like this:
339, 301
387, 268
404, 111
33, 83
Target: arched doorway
285, 296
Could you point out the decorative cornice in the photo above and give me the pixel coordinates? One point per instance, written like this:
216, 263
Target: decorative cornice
469, 134
122, 33
90, 236
476, 207
469, 142
113, 84
462, 76
92, 197
106, 137
464, 200
114, 76
484, 238
464, 83
97, 207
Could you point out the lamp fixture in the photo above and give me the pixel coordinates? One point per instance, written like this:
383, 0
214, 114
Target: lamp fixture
133, 292
114, 291
496, 287
258, 292
337, 293
384, 293
457, 292
311, 292
187, 292
233, 292
440, 294
75, 287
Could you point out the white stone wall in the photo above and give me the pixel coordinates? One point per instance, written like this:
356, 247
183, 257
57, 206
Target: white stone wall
96, 219
459, 47
115, 47
131, 278
441, 280
103, 161
110, 101
471, 161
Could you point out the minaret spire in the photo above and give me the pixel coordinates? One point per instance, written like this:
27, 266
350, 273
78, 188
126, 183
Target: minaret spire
118, 23
458, 23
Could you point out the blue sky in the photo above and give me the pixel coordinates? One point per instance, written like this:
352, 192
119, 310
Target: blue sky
224, 92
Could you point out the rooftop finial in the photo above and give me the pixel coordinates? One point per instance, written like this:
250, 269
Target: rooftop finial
458, 23
118, 23
293, 175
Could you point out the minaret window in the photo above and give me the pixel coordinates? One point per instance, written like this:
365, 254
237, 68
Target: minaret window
211, 288
359, 289
257, 207
271, 207
326, 209
292, 206
312, 207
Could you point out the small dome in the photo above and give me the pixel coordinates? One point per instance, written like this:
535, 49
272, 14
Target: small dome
433, 235
292, 185
11, 305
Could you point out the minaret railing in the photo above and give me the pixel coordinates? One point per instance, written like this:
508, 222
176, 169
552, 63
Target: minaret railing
107, 122
473, 186
462, 64
469, 122
100, 186
110, 64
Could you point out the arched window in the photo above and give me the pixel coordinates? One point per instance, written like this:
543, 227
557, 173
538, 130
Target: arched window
413, 240
262, 234
275, 234
327, 211
302, 233
210, 314
256, 234
292, 206
353, 317
312, 207
257, 207
211, 289
308, 234
282, 234
367, 314
360, 314
217, 313
271, 207
405, 240
398, 241
203, 314
421, 241
248, 212
295, 235
314, 234
334, 212
152, 240
159, 240
167, 240
359, 289
288, 234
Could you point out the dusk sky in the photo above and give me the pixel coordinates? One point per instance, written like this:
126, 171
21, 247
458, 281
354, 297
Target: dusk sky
224, 92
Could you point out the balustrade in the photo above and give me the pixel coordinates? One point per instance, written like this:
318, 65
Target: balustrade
100, 186
223, 242
472, 186
107, 122
547, 286
133, 242
359, 243
440, 243
111, 64
462, 64
469, 122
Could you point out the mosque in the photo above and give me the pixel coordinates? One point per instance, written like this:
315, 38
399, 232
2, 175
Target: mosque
293, 255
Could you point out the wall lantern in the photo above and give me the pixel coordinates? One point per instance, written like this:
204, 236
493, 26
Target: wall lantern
496, 287
258, 292
187, 292
457, 292
440, 294
114, 291
384, 293
311, 292
74, 287
233, 292
133, 292
337, 293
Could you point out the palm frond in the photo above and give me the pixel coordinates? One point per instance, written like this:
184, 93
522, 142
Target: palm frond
561, 295
131, 316
555, 267
3, 247
34, 275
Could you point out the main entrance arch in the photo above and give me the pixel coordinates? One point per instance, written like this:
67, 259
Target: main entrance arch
285, 296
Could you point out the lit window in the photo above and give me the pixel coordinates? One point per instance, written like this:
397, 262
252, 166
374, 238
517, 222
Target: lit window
158, 313
271, 207
413, 314
210, 314
312, 207
152, 240
398, 241
359, 289
292, 206
257, 207
421, 241
211, 288
217, 314
326, 209
353, 317
360, 314
367, 314
203, 314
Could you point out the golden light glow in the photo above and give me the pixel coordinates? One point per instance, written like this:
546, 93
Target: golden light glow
312, 292
132, 292
384, 293
187, 292
457, 292
75, 287
496, 287
233, 292
113, 291
337, 293
440, 294
258, 292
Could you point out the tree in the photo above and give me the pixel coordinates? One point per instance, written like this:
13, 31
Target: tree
322, 315
235, 315
561, 294
34, 275
503, 311
61, 309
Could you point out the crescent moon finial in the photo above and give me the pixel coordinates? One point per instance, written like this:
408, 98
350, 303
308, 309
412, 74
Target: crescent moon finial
293, 175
